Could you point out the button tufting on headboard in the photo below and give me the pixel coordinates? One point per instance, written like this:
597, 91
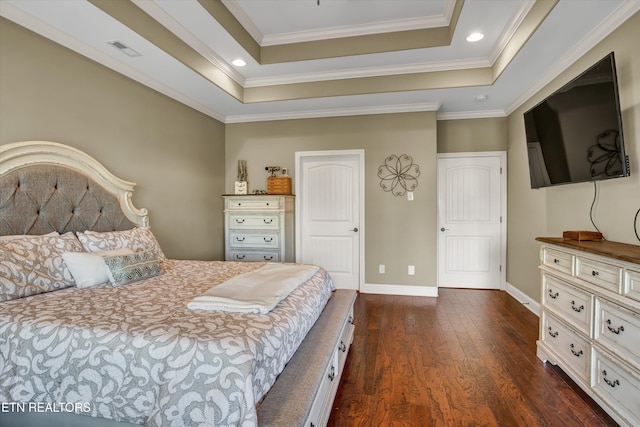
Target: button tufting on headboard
47, 186
42, 198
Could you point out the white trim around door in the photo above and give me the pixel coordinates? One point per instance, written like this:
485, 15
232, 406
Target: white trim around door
469, 177
314, 168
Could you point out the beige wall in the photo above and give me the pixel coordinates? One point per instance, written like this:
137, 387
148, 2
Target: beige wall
175, 154
398, 233
469, 135
548, 212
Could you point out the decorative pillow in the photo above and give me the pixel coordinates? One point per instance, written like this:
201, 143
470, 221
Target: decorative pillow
89, 269
137, 239
34, 265
25, 236
123, 269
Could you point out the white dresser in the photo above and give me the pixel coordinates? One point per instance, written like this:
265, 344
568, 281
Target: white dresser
590, 320
259, 228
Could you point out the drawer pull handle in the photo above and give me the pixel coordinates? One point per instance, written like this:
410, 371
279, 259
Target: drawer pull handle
609, 382
268, 258
268, 221
332, 374
553, 334
595, 273
240, 256
343, 346
239, 221
576, 353
240, 239
552, 295
576, 309
612, 329
556, 261
351, 320
268, 239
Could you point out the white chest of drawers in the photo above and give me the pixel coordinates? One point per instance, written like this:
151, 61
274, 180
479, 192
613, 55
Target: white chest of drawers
590, 320
259, 228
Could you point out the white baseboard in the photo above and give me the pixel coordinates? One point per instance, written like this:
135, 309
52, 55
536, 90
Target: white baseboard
432, 291
407, 290
526, 300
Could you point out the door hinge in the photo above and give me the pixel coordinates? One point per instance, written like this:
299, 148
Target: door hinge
501, 219
500, 170
501, 268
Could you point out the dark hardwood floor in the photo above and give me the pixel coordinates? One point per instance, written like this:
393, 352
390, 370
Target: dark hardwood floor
466, 358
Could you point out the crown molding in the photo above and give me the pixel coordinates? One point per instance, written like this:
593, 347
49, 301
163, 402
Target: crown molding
355, 30
334, 112
616, 18
160, 15
461, 64
15, 14
478, 114
510, 29
247, 23
390, 26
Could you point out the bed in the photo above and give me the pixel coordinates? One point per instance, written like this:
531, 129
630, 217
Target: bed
75, 350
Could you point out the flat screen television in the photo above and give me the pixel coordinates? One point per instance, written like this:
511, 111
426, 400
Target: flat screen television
575, 135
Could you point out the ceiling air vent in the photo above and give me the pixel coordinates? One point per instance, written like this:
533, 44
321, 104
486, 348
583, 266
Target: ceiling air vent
124, 48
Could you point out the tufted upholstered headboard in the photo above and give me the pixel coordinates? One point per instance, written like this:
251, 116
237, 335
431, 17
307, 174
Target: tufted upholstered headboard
47, 186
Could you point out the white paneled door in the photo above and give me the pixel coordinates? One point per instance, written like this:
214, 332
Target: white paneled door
329, 224
471, 220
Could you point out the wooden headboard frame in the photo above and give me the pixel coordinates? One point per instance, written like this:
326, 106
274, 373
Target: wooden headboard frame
19, 155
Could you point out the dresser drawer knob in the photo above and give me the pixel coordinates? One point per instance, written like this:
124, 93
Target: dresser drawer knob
608, 381
576, 353
556, 261
595, 273
576, 309
343, 346
552, 295
612, 329
553, 334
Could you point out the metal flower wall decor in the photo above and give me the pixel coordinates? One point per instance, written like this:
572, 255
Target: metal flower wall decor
399, 174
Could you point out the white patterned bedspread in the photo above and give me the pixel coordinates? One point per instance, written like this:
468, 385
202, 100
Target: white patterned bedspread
137, 354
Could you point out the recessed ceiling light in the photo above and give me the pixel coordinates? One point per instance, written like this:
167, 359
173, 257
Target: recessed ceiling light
474, 37
239, 62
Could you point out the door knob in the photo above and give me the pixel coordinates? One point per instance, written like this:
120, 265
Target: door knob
355, 229
444, 229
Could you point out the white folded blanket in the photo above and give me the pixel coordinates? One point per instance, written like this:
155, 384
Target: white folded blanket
257, 291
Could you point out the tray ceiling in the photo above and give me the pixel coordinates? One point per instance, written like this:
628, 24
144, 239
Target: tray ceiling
310, 58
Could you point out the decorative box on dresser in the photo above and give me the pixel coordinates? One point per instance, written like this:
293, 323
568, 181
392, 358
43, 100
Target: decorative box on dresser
259, 228
590, 320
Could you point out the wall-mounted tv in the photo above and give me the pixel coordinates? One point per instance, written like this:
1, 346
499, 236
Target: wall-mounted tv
575, 135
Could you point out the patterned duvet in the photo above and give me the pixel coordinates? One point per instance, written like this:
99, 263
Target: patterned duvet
135, 353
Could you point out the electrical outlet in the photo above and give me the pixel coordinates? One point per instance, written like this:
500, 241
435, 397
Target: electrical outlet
381, 269
412, 270
410, 196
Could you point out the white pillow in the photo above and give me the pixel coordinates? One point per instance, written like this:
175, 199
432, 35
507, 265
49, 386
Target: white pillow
89, 269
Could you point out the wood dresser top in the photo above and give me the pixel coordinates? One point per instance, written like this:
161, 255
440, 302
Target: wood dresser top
621, 251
